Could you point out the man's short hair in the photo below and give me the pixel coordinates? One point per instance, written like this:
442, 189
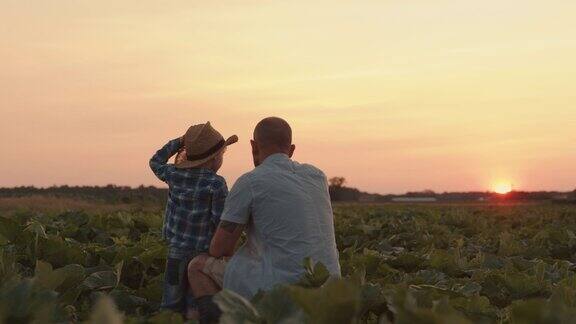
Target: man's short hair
273, 132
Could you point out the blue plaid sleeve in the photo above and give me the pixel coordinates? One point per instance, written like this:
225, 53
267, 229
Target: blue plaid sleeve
219, 195
158, 162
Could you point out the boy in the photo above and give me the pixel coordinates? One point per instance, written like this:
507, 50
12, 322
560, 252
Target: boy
196, 197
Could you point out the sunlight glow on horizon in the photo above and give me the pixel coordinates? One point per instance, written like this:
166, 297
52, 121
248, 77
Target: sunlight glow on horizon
502, 188
394, 96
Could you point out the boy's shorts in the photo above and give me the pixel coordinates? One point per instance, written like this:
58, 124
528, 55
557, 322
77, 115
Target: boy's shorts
176, 294
214, 268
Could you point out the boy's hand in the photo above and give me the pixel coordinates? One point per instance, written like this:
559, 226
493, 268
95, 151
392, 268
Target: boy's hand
182, 147
181, 143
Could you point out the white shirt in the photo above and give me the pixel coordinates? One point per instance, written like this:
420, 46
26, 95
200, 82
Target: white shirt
289, 215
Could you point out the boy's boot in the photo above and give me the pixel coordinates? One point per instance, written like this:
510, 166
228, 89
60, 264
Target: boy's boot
209, 311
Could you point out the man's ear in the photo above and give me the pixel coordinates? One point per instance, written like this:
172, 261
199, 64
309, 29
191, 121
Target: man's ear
255, 152
292, 149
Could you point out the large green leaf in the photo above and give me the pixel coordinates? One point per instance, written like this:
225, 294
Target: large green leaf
36, 228
127, 301
152, 254
10, 229
338, 301
23, 301
102, 280
315, 274
539, 311
277, 306
236, 309
60, 252
153, 289
67, 276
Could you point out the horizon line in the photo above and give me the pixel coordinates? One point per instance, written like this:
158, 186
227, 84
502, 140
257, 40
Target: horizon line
365, 192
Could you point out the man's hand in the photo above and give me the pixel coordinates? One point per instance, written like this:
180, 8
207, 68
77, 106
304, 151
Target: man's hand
225, 239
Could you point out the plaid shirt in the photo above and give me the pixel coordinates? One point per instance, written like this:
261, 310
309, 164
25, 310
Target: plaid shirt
195, 200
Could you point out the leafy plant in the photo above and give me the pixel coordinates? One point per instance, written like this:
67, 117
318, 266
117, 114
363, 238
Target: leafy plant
400, 264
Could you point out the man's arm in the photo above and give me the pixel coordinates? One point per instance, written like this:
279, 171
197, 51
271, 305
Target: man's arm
237, 211
158, 162
225, 239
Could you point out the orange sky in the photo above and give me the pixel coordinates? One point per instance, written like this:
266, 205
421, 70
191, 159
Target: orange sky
394, 95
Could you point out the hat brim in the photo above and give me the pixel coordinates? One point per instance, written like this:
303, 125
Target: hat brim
184, 163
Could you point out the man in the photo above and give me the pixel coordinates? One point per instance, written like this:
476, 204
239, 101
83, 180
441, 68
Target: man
284, 206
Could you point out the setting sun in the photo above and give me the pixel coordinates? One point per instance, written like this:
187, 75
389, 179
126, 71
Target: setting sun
503, 188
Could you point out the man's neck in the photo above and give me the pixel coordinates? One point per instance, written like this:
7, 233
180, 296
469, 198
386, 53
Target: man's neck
265, 155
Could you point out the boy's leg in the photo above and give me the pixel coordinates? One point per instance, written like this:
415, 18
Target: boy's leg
175, 288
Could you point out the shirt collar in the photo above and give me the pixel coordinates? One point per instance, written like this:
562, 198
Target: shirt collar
276, 157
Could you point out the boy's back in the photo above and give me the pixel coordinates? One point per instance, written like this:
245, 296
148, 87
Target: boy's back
195, 202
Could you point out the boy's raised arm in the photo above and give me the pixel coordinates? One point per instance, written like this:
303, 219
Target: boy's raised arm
158, 162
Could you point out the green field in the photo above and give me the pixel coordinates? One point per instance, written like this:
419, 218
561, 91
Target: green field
73, 260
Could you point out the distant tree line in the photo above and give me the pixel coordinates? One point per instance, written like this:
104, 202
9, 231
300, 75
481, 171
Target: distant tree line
340, 192
112, 194
478, 195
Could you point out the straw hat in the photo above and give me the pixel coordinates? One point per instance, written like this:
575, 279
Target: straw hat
202, 143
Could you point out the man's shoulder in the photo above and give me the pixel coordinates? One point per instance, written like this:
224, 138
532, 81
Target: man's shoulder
244, 180
311, 169
307, 169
